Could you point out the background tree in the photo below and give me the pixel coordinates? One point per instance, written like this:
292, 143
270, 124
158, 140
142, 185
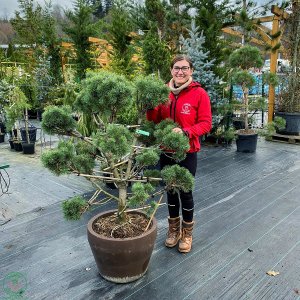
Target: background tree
80, 28
156, 54
27, 23
210, 17
119, 35
194, 47
52, 43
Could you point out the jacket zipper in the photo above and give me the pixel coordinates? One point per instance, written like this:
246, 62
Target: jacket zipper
176, 98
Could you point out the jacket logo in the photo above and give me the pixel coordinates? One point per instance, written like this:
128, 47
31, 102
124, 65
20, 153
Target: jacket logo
186, 109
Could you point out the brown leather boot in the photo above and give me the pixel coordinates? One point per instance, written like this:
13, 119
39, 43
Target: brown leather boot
173, 234
185, 243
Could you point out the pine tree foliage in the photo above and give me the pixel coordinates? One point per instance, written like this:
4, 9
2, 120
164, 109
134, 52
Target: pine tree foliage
113, 153
80, 28
193, 46
156, 54
104, 92
210, 16
150, 92
179, 143
119, 36
51, 41
73, 208
28, 22
57, 120
177, 178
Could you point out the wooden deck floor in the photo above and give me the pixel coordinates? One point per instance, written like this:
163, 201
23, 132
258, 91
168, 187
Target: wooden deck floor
247, 209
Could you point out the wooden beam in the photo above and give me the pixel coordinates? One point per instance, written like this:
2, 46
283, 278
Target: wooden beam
279, 12
264, 19
263, 34
230, 31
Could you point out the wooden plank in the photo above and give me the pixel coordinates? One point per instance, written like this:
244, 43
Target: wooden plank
291, 139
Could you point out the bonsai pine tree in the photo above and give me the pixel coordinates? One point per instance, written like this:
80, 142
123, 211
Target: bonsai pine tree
243, 59
116, 153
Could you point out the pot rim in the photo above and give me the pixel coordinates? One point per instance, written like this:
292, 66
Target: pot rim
108, 212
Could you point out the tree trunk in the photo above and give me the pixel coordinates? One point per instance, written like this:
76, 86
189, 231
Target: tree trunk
122, 202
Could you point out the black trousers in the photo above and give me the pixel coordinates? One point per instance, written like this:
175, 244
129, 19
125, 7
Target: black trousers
185, 199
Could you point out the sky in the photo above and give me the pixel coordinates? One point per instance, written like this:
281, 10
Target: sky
8, 7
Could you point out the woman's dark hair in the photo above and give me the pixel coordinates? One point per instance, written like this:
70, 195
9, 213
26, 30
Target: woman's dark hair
181, 57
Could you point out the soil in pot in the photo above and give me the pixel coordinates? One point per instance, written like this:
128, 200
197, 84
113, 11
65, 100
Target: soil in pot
122, 260
108, 226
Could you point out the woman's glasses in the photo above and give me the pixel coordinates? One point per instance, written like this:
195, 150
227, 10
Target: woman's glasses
183, 69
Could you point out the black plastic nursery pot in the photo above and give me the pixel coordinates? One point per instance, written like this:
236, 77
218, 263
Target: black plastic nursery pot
2, 136
292, 126
28, 148
18, 146
11, 143
31, 133
246, 143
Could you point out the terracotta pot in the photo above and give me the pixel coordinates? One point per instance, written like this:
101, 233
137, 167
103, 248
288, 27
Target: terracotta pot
122, 260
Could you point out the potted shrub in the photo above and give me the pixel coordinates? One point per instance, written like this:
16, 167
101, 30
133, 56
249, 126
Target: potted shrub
121, 240
243, 60
28, 135
289, 100
17, 103
270, 129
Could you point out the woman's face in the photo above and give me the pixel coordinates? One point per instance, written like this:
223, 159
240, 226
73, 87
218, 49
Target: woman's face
181, 72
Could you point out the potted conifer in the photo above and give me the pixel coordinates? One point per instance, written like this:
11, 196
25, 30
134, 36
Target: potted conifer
14, 109
243, 60
121, 240
289, 99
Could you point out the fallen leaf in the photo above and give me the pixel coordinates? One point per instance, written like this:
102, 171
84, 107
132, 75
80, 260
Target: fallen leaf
297, 291
273, 273
250, 250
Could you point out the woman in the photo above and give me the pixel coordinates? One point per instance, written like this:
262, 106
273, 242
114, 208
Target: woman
189, 106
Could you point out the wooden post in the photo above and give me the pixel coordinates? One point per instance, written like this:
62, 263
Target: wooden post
273, 67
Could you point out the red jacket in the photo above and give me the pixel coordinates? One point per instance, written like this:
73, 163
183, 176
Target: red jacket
190, 109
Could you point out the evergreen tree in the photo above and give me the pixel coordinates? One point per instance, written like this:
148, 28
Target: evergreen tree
97, 8
120, 37
193, 46
203, 73
51, 41
28, 23
156, 54
210, 17
79, 30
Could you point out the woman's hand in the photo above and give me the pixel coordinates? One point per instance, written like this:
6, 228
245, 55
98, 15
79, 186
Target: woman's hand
177, 130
